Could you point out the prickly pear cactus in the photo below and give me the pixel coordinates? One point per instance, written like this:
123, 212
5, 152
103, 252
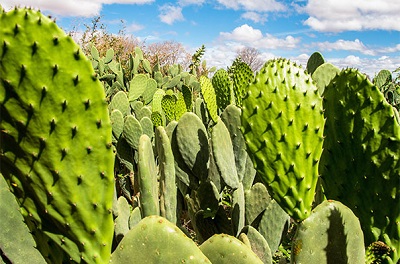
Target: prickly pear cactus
156, 240
282, 123
360, 165
316, 59
16, 242
222, 248
55, 139
332, 234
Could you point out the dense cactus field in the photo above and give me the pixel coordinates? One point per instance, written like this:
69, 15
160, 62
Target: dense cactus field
138, 163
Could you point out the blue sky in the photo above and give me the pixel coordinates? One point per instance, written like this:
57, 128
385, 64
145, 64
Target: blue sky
359, 33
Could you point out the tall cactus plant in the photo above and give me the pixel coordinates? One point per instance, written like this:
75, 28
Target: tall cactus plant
55, 139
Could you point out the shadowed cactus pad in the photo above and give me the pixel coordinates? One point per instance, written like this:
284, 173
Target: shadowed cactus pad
282, 123
55, 139
332, 234
360, 165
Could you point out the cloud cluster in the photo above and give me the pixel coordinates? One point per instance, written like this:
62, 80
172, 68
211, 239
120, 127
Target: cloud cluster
250, 36
344, 15
254, 5
170, 13
73, 8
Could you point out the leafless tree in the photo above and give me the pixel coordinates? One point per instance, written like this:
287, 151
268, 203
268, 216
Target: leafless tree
168, 53
251, 56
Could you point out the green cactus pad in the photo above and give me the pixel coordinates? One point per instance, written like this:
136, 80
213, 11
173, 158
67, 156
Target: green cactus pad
168, 105
316, 59
122, 220
331, 234
137, 86
227, 249
155, 240
223, 88
360, 165
231, 118
323, 75
56, 150
282, 123
241, 78
382, 78
120, 101
192, 141
117, 123
132, 131
147, 178
16, 242
209, 96
168, 190
223, 154
258, 244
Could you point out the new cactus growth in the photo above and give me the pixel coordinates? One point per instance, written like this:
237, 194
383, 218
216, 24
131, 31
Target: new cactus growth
56, 150
282, 123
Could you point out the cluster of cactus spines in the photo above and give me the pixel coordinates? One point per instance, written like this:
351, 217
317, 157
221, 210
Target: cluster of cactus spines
283, 122
168, 189
316, 59
332, 233
360, 165
323, 75
222, 248
156, 240
56, 150
16, 242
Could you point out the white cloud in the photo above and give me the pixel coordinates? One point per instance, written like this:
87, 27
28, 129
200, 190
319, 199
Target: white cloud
169, 14
134, 27
249, 36
367, 65
190, 2
77, 8
253, 5
344, 15
244, 33
348, 45
255, 17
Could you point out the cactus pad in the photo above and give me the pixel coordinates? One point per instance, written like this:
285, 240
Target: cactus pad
56, 150
360, 165
282, 123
